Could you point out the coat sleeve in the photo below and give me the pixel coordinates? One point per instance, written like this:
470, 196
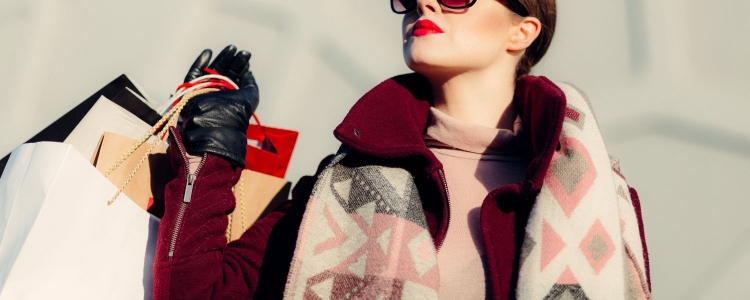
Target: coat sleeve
193, 259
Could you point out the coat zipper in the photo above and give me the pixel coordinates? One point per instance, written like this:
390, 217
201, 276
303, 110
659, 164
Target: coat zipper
448, 202
187, 196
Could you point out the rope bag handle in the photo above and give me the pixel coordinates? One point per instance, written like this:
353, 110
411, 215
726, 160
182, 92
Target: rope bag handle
202, 85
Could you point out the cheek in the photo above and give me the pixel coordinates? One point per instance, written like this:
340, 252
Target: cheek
470, 41
483, 37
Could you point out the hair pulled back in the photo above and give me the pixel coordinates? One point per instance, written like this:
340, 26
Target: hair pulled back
546, 12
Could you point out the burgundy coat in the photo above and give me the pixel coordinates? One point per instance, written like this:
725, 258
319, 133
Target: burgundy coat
385, 126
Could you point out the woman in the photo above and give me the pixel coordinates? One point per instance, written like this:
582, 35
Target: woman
468, 179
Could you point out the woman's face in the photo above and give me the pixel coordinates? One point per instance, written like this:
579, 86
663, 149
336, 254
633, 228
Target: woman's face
471, 39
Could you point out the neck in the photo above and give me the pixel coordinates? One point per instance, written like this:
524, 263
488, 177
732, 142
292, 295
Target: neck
481, 97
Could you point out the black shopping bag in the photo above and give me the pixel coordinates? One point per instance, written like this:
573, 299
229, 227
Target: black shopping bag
119, 91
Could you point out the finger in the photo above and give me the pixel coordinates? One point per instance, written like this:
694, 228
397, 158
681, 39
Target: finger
239, 65
249, 91
196, 70
242, 74
222, 61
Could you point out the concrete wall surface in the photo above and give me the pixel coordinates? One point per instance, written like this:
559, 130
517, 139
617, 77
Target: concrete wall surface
669, 79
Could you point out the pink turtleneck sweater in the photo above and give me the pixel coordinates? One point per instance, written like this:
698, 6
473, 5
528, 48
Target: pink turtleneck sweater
476, 160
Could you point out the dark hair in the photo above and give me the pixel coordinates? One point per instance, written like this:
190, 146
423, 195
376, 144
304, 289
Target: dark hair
546, 12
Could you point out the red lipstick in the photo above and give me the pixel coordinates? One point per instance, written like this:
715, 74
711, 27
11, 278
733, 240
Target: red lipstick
425, 27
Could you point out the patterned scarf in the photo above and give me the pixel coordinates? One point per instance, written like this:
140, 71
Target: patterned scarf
364, 234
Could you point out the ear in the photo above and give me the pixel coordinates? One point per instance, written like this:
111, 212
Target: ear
524, 33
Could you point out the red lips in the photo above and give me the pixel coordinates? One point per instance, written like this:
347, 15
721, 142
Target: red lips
425, 27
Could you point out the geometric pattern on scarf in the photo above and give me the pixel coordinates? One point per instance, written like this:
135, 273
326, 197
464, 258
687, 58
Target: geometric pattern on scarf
582, 238
377, 190
566, 288
363, 236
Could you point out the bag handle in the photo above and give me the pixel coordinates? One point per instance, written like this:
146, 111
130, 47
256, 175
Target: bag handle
202, 85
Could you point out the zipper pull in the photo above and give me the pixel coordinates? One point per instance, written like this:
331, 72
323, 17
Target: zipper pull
189, 188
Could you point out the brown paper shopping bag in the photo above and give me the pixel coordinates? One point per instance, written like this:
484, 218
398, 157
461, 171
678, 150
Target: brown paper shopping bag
146, 188
256, 193
259, 193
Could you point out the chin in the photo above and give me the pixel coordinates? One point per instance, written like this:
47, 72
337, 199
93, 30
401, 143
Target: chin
427, 62
433, 66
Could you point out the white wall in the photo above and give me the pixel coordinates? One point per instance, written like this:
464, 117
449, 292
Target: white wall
668, 78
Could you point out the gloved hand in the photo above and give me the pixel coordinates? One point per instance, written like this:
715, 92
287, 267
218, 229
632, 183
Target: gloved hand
216, 122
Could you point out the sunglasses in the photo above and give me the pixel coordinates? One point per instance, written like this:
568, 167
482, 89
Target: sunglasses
405, 6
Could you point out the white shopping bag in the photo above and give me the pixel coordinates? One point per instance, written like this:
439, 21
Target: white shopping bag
58, 237
105, 116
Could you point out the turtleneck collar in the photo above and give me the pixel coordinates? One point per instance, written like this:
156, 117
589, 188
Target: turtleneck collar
444, 131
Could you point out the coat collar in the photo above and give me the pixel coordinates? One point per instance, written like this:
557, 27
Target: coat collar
389, 120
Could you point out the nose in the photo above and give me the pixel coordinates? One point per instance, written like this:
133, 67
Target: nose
424, 6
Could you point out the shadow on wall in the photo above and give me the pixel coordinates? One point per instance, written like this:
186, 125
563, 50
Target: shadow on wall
680, 129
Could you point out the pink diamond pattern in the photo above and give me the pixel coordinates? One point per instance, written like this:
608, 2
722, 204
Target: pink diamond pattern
597, 246
567, 277
571, 174
552, 244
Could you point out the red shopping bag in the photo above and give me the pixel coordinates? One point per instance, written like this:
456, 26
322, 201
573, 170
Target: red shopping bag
273, 151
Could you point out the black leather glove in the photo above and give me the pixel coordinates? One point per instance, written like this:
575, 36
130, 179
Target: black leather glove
216, 122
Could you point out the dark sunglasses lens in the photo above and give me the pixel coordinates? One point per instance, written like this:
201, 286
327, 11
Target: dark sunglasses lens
457, 3
400, 6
